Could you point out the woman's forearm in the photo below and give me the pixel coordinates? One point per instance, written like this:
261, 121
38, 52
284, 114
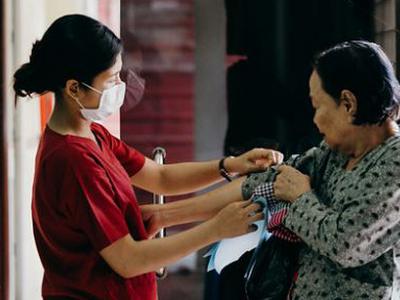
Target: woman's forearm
183, 178
149, 255
201, 207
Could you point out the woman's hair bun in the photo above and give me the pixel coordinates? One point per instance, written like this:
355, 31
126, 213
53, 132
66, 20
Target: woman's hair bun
28, 79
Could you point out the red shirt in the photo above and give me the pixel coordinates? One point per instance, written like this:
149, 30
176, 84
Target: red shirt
83, 201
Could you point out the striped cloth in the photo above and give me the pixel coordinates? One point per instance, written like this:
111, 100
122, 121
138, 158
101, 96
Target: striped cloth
277, 211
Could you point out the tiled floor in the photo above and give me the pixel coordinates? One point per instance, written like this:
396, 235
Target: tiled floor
183, 285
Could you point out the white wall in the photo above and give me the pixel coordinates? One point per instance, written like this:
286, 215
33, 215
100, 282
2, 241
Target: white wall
26, 123
9, 110
55, 9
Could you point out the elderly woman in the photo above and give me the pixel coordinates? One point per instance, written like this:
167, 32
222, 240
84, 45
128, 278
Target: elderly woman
343, 198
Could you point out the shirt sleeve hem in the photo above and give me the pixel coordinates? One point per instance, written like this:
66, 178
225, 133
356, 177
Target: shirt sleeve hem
132, 169
111, 240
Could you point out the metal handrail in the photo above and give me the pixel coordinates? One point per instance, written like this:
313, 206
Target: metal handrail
159, 157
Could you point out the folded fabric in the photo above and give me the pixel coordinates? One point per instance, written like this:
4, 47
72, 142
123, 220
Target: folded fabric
277, 211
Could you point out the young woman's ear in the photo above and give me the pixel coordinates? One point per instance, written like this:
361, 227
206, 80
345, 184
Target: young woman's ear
72, 88
349, 102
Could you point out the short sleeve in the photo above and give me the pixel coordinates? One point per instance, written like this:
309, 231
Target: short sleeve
96, 211
131, 159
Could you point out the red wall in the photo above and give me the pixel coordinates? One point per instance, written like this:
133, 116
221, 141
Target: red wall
162, 32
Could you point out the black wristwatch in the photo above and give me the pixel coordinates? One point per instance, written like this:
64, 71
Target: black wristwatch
224, 173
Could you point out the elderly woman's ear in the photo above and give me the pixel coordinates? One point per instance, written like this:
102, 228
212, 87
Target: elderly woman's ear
349, 102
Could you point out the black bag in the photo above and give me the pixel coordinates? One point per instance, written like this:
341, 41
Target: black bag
271, 270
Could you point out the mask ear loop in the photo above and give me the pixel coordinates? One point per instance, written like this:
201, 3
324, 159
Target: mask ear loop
78, 102
92, 88
89, 87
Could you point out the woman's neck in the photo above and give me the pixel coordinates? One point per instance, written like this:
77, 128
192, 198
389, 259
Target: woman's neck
66, 121
369, 137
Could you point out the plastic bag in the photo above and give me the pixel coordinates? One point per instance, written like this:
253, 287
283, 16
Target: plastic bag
271, 270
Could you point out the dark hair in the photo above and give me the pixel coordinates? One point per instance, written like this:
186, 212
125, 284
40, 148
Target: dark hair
73, 47
364, 69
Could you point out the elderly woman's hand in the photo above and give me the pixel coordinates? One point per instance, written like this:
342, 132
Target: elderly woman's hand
254, 160
290, 184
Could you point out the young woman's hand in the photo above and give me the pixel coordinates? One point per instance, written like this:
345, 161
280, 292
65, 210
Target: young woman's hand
152, 218
236, 219
254, 160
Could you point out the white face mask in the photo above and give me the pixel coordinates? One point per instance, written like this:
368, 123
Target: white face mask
111, 101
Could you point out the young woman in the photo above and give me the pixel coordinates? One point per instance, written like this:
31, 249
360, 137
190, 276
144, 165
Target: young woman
88, 227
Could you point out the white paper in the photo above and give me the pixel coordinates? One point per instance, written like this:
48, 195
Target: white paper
230, 250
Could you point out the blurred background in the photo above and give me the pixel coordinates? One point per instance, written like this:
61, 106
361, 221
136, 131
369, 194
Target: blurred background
221, 77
